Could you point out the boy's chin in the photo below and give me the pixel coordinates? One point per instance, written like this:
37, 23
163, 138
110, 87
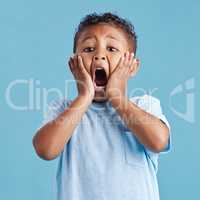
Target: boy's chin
100, 95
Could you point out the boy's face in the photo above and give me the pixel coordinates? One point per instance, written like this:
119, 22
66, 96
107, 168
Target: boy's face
101, 46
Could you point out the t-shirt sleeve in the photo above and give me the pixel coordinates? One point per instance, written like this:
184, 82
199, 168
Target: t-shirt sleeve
152, 105
53, 110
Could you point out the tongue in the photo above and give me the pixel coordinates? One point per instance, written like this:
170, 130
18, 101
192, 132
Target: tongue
100, 77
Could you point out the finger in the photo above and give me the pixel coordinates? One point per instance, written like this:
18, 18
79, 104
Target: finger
72, 69
75, 65
81, 65
70, 63
126, 61
125, 68
120, 64
75, 60
131, 61
134, 67
131, 55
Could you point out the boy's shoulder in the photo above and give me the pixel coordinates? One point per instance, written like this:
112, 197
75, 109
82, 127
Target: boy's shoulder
145, 101
59, 103
54, 108
150, 104
145, 97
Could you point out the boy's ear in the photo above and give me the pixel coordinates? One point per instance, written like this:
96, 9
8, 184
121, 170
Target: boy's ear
134, 67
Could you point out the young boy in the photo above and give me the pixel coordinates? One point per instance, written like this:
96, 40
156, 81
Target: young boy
108, 144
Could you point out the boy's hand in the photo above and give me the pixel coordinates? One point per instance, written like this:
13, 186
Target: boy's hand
117, 83
84, 82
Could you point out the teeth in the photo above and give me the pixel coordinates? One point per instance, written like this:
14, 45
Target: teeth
99, 68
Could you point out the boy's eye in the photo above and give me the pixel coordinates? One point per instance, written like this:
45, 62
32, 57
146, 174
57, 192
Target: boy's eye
113, 49
88, 49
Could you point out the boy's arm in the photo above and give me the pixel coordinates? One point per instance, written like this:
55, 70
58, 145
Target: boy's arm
149, 130
50, 140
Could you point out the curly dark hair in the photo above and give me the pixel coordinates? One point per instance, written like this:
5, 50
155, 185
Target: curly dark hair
109, 18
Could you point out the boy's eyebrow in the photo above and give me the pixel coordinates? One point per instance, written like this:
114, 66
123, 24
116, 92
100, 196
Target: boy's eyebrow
91, 37
87, 38
112, 37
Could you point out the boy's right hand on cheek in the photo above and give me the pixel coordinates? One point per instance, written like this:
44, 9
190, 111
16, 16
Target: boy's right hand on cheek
84, 82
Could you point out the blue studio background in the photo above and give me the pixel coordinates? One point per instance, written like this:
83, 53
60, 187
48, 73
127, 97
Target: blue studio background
36, 41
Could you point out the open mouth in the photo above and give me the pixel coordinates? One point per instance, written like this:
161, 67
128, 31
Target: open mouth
100, 77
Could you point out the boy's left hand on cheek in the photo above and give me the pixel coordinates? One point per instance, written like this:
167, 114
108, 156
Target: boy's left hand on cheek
117, 83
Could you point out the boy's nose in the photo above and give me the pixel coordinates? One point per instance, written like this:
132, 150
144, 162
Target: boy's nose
99, 57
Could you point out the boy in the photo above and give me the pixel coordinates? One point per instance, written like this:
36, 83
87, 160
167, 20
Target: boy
108, 145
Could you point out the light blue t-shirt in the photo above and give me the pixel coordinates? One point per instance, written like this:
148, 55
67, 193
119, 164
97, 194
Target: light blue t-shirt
103, 160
